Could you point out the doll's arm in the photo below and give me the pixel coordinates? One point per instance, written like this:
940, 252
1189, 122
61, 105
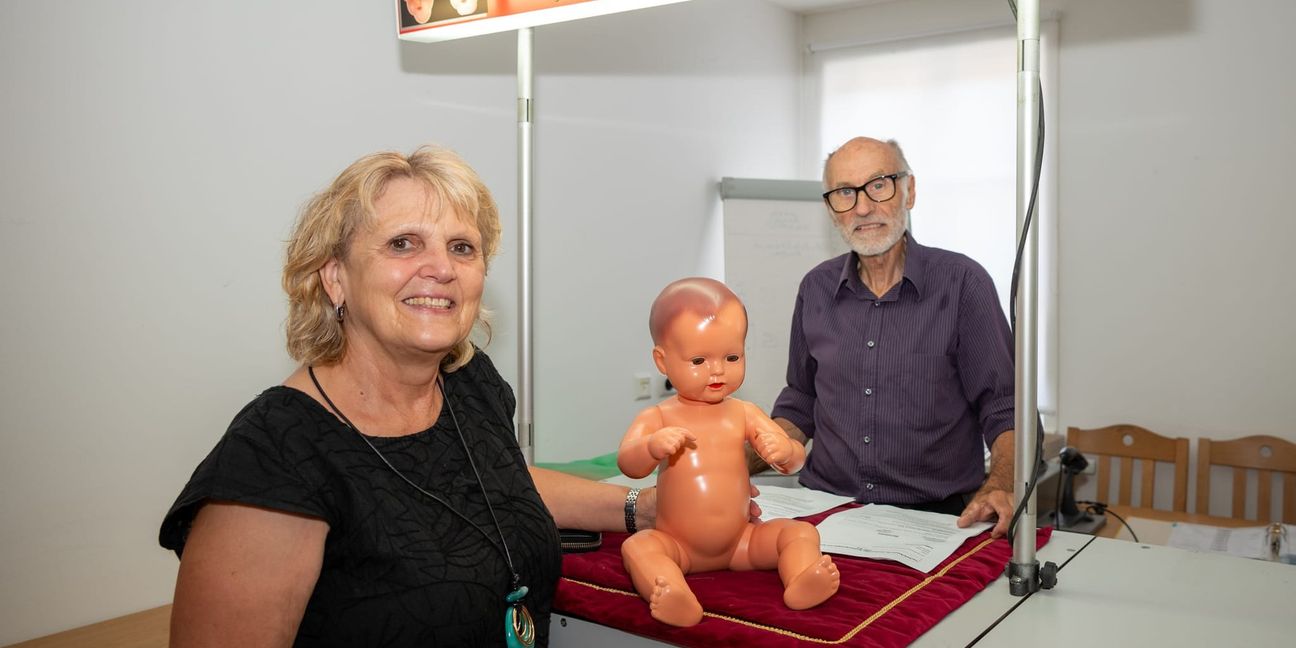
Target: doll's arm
647, 443
774, 446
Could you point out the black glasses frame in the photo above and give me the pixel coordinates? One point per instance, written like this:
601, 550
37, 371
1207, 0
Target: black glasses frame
863, 189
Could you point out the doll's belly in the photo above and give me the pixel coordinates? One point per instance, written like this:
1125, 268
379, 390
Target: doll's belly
707, 524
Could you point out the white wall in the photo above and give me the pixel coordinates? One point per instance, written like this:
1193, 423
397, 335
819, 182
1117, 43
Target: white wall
1174, 139
628, 201
156, 153
1178, 307
1176, 218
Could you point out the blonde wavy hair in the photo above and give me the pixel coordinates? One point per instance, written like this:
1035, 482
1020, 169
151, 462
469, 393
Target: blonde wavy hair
329, 221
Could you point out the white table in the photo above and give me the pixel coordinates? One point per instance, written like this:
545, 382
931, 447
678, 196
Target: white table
1127, 594
1109, 592
958, 629
964, 625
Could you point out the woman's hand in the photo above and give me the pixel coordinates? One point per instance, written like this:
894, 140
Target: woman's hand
646, 509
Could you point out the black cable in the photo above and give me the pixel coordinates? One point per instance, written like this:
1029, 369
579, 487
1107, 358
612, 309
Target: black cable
1057, 504
1100, 508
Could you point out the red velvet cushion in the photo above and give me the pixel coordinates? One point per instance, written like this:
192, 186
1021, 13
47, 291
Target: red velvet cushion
880, 603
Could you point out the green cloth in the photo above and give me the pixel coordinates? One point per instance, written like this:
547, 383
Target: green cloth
598, 468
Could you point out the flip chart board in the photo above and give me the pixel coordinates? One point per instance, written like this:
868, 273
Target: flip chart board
774, 232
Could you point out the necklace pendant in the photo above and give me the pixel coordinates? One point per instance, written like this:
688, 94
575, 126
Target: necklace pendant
519, 627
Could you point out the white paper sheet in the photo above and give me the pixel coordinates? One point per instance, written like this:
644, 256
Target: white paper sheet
915, 538
783, 502
1247, 542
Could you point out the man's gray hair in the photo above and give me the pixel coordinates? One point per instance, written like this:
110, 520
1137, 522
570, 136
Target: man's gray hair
895, 146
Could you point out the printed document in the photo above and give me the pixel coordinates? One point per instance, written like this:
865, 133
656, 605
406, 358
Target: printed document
783, 502
915, 538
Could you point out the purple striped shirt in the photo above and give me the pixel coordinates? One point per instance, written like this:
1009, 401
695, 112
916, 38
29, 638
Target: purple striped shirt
898, 393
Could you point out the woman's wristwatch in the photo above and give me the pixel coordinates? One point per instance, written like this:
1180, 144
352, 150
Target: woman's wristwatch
631, 505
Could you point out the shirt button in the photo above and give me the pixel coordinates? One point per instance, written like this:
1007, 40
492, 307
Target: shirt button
876, 304
867, 439
868, 391
868, 486
871, 344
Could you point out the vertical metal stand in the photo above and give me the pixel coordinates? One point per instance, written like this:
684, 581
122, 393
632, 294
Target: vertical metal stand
526, 387
1023, 571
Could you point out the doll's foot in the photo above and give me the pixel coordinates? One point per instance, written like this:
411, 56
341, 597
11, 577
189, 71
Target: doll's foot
813, 586
674, 606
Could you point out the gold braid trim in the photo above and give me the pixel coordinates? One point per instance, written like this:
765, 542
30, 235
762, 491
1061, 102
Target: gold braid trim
796, 635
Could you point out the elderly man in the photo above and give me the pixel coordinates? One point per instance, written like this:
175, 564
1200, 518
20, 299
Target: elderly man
901, 360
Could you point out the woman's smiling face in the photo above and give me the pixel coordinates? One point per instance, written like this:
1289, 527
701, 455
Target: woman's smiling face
412, 278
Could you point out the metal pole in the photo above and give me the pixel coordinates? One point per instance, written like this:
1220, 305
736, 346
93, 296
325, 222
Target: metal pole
1023, 571
526, 388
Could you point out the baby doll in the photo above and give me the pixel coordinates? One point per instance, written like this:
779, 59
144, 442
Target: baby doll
697, 440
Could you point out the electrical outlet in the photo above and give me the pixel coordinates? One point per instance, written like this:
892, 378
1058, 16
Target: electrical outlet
642, 386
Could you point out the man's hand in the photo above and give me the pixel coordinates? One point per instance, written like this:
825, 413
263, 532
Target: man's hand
669, 440
995, 497
988, 503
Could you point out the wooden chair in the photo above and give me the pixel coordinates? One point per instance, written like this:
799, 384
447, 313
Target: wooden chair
1131, 443
1264, 454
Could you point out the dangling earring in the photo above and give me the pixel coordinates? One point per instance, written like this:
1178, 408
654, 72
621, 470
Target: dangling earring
341, 313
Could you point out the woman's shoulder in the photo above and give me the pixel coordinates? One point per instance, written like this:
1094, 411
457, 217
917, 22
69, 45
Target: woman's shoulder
277, 412
274, 454
282, 427
481, 375
480, 367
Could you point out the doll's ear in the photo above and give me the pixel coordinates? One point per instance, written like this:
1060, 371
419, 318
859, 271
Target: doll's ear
659, 359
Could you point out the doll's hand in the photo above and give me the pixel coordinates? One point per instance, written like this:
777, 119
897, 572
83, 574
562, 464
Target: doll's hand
669, 440
774, 448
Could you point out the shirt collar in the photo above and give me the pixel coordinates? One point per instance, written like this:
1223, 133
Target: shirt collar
915, 269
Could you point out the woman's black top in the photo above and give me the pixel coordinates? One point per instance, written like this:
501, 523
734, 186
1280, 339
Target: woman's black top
399, 569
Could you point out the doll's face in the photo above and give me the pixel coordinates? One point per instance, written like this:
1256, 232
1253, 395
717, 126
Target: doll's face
703, 356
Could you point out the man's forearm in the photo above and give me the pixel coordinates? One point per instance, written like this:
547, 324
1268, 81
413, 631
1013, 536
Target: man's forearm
1000, 476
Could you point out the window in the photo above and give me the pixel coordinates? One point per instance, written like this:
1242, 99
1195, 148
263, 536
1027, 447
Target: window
950, 100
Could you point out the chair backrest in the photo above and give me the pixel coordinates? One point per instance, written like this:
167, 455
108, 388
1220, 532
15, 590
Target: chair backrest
1132, 444
1264, 454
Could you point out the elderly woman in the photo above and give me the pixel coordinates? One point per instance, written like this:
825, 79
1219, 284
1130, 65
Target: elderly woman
378, 496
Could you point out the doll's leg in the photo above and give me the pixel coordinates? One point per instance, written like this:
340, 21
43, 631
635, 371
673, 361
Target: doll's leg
809, 576
656, 564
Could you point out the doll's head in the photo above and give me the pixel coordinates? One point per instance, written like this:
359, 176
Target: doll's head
699, 328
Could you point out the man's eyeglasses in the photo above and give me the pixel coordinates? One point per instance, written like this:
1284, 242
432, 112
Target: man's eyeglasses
879, 189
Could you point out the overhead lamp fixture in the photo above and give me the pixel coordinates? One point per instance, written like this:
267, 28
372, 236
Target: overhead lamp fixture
432, 21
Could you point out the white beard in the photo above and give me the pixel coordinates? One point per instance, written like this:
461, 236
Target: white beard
873, 246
